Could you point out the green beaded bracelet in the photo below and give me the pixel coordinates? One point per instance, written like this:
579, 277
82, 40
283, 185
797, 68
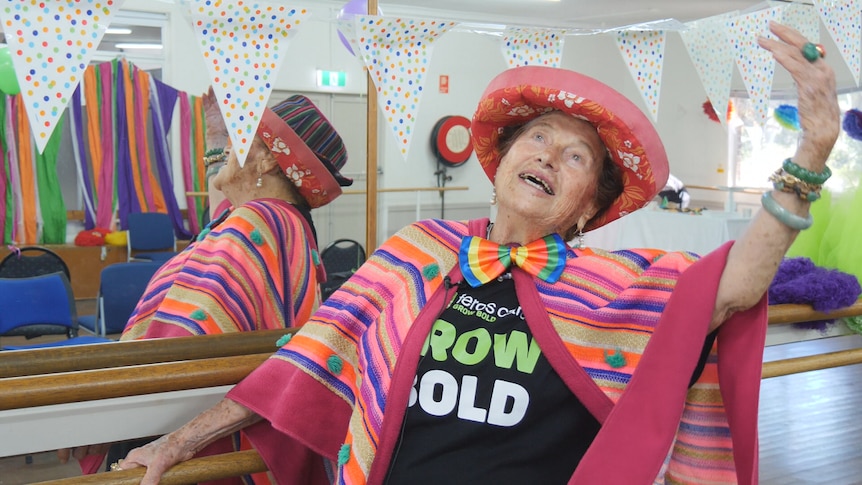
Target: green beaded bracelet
783, 215
807, 175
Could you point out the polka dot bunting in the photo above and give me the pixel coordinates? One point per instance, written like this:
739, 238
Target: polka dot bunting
709, 51
242, 44
843, 20
396, 52
643, 53
802, 17
51, 43
532, 47
755, 64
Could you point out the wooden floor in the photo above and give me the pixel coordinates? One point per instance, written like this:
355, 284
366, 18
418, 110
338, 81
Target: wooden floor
810, 426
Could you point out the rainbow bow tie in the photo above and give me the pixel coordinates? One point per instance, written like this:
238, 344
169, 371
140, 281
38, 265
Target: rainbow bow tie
482, 260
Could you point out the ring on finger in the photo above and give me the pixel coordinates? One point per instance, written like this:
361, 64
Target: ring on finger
811, 51
116, 466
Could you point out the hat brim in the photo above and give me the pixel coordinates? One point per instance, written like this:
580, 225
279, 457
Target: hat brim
303, 168
521, 94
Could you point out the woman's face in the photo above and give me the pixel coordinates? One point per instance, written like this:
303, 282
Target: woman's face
548, 176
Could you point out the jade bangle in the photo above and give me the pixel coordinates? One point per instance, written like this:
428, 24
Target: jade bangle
783, 215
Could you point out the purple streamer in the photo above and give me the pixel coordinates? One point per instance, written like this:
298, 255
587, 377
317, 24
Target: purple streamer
162, 107
127, 200
77, 121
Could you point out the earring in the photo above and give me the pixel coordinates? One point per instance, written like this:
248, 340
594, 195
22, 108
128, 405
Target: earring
581, 244
259, 182
494, 196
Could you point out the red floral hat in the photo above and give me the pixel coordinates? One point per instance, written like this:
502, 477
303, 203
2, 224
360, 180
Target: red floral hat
518, 95
307, 148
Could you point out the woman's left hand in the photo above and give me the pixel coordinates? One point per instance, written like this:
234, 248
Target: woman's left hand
819, 115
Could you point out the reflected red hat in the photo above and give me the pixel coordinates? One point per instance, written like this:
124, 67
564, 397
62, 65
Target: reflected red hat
520, 94
307, 148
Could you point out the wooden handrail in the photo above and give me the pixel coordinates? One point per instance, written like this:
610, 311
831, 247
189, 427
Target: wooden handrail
88, 385
808, 363
196, 470
119, 354
793, 313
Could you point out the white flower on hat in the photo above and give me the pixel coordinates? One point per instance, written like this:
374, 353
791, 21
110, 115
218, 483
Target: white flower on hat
521, 111
295, 174
630, 160
279, 146
568, 99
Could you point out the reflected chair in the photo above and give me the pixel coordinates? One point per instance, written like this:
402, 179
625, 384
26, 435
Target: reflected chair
341, 258
121, 285
150, 237
37, 306
32, 261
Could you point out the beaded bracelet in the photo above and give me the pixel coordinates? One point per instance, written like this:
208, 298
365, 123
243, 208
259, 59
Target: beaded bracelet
785, 182
807, 175
783, 215
213, 155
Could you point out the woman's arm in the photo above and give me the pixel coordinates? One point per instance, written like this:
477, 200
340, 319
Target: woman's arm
754, 258
220, 420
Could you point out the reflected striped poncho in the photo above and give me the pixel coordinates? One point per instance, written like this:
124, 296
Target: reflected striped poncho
340, 387
257, 269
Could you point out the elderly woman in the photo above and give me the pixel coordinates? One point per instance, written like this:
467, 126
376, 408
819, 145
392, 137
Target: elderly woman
493, 353
256, 266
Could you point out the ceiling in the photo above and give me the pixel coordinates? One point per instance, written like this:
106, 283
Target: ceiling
570, 14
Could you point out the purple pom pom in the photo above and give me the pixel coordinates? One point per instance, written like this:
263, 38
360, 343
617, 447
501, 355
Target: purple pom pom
853, 124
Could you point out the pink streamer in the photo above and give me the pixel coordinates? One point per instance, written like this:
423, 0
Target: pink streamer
104, 212
14, 174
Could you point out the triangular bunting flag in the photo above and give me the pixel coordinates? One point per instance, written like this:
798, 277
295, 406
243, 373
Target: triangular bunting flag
802, 17
532, 47
706, 42
756, 64
643, 53
843, 20
243, 44
52, 42
396, 52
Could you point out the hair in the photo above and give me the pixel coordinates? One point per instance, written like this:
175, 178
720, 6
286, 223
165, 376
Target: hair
610, 183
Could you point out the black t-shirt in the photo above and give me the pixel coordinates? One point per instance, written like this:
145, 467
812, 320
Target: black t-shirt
486, 406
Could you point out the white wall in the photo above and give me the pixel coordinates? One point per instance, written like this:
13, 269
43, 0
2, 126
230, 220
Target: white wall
696, 146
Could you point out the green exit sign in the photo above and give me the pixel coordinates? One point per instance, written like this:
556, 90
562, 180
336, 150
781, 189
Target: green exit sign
332, 79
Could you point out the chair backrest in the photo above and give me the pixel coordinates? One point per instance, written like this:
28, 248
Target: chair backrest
32, 261
342, 256
120, 288
37, 305
150, 231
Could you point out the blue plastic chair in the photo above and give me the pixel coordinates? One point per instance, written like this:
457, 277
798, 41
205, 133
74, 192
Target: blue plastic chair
37, 306
150, 237
121, 285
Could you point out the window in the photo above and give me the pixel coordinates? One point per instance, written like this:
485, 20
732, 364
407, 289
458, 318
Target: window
756, 151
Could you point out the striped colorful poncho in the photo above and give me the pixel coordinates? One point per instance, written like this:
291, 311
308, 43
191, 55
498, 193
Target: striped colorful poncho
339, 389
255, 270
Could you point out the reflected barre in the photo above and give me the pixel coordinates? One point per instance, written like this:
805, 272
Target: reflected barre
356, 192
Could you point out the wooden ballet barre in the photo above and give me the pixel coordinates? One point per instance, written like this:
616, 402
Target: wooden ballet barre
90, 385
793, 313
196, 470
354, 192
136, 352
736, 190
809, 363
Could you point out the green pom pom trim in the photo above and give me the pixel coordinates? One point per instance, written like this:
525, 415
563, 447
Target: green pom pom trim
315, 257
431, 271
615, 360
854, 323
199, 315
256, 237
284, 340
344, 454
203, 234
334, 364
